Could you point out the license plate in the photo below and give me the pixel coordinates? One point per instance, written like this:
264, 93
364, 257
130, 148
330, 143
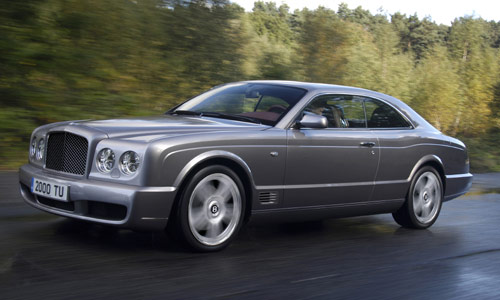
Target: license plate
49, 189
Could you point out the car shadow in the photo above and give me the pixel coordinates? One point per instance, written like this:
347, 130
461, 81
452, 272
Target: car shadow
253, 236
346, 233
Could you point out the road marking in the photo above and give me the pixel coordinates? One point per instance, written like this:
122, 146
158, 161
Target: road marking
314, 278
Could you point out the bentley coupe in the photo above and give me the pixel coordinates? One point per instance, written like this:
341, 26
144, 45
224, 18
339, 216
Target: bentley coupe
281, 149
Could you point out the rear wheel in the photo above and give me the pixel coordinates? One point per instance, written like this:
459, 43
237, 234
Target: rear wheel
211, 209
423, 202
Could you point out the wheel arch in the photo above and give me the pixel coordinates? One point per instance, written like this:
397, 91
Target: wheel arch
216, 157
432, 161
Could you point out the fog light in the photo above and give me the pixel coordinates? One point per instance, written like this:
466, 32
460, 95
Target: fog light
40, 150
33, 147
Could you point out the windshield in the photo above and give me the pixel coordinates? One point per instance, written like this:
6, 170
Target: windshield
264, 103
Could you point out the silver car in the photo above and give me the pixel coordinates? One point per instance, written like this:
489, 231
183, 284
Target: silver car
278, 149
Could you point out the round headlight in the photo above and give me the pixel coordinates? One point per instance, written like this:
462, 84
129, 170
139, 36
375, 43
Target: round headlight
40, 149
33, 147
129, 162
105, 160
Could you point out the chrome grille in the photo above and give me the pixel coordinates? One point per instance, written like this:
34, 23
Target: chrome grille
67, 152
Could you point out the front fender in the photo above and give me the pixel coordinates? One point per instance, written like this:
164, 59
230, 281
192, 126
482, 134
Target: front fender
208, 155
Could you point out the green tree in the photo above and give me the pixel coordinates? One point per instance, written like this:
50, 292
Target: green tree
272, 21
436, 93
323, 44
83, 59
478, 69
417, 36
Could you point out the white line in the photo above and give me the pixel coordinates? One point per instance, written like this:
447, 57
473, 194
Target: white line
314, 278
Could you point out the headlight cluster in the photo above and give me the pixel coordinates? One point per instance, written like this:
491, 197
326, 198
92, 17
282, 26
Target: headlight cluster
37, 148
128, 163
105, 160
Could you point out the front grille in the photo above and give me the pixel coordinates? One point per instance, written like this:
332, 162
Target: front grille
67, 152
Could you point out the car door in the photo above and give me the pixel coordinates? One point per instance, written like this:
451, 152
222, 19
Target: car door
335, 165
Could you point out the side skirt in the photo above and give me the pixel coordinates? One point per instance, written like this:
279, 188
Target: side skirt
307, 213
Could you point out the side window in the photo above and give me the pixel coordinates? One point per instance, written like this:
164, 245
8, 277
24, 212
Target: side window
342, 111
381, 115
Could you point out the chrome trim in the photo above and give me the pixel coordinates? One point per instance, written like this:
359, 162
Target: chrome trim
422, 161
93, 137
313, 97
463, 175
329, 185
422, 144
157, 189
378, 147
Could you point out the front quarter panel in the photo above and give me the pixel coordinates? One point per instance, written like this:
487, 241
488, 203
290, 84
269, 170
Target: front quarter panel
171, 160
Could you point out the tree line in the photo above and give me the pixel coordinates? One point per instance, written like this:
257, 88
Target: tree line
93, 59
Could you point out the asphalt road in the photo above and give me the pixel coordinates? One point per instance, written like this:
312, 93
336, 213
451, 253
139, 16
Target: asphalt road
48, 257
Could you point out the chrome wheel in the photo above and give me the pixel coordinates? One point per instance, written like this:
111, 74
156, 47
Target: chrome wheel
214, 209
426, 197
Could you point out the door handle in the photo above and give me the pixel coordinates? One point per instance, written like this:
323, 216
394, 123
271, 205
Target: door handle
367, 144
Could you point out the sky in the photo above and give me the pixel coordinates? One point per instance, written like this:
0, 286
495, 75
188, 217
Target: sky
440, 11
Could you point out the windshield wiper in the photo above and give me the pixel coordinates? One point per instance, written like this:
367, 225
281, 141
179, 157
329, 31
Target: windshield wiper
215, 115
184, 112
230, 117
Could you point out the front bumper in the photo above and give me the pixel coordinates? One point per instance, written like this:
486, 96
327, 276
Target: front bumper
125, 206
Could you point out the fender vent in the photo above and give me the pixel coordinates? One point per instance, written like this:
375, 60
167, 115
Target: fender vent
268, 198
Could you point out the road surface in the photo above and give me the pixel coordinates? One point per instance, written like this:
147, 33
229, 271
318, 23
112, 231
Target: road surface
48, 257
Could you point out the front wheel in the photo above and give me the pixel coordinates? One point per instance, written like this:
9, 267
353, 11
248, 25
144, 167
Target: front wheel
211, 209
423, 202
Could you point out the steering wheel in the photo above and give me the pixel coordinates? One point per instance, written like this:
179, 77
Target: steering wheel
278, 109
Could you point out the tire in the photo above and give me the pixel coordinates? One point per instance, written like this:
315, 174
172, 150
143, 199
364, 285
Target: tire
423, 202
211, 209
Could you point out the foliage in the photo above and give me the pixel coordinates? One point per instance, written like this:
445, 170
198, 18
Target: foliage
86, 59
436, 90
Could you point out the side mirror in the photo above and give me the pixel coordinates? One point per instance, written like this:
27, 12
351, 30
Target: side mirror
313, 121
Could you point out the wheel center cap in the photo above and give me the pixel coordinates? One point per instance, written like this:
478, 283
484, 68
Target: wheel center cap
426, 196
214, 208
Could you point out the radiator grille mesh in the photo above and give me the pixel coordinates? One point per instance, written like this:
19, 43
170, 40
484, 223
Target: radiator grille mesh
67, 152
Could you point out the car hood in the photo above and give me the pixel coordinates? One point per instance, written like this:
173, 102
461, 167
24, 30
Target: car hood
148, 128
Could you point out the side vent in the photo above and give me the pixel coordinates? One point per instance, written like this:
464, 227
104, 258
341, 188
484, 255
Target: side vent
266, 198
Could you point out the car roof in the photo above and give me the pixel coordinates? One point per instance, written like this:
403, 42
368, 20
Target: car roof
330, 88
300, 84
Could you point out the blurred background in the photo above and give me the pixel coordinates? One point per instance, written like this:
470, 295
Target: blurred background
94, 59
